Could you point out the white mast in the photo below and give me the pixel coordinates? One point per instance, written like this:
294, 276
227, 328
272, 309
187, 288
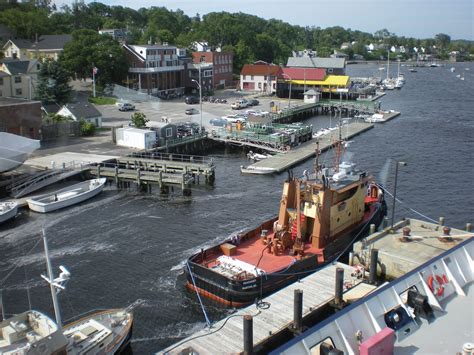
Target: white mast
388, 62
54, 296
56, 284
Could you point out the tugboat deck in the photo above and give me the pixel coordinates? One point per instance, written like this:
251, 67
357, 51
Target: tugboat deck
318, 290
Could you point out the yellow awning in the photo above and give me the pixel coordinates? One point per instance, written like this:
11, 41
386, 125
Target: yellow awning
330, 80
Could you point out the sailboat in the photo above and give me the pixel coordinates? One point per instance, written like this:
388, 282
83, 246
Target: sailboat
33, 332
320, 216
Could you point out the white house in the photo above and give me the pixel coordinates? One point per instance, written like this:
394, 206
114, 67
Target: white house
18, 78
260, 76
82, 110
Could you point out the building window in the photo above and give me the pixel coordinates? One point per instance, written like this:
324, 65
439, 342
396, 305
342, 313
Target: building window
244, 77
251, 77
18, 92
1, 94
1, 81
17, 79
169, 132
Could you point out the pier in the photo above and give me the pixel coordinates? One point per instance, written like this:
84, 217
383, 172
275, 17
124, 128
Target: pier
284, 161
277, 318
162, 169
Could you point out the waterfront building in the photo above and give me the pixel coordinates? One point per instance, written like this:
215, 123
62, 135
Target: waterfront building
303, 79
260, 76
334, 66
46, 46
155, 69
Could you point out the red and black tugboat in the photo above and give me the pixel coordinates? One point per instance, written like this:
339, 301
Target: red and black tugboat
320, 217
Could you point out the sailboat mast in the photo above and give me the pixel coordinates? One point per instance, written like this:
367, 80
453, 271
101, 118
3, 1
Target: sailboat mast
388, 62
54, 296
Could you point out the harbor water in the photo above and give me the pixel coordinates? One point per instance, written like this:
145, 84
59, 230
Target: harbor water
126, 245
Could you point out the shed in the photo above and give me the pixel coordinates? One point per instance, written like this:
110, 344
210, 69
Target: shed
136, 138
311, 96
164, 130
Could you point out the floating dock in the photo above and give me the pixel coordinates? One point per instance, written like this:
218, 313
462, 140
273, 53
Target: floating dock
227, 335
409, 244
284, 161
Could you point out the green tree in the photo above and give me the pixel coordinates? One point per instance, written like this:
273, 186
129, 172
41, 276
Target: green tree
88, 49
87, 128
25, 24
53, 83
139, 119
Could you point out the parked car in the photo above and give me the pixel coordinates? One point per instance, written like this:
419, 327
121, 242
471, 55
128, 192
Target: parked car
235, 118
253, 102
239, 104
191, 111
218, 121
126, 107
190, 100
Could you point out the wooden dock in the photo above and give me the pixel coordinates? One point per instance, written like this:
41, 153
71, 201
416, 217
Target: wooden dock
226, 336
162, 169
284, 161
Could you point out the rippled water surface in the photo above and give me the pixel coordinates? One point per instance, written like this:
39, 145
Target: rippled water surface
125, 245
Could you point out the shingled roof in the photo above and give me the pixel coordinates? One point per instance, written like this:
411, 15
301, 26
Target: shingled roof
45, 42
15, 66
318, 62
260, 69
83, 110
305, 73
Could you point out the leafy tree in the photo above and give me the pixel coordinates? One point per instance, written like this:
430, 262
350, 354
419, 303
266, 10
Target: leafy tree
442, 41
139, 119
25, 24
53, 83
88, 49
87, 128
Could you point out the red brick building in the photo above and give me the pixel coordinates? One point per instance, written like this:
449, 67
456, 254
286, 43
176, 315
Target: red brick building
222, 65
21, 117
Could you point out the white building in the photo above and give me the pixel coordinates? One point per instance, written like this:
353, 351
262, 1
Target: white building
135, 138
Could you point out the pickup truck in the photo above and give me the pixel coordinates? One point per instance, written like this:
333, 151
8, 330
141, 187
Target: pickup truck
240, 104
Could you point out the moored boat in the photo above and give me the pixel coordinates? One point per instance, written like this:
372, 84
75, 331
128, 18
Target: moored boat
67, 196
320, 216
8, 210
98, 332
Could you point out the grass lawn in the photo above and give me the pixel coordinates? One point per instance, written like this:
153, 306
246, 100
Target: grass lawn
102, 100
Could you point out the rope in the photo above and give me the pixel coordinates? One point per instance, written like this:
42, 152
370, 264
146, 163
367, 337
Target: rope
406, 207
17, 266
199, 297
214, 331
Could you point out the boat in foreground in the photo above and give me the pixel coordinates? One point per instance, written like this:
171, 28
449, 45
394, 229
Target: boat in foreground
319, 219
426, 311
32, 332
67, 196
14, 150
8, 210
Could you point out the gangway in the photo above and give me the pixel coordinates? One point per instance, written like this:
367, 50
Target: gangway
44, 178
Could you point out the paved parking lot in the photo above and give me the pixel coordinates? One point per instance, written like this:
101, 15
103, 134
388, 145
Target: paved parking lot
173, 110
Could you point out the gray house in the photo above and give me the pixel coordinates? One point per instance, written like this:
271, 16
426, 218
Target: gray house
164, 131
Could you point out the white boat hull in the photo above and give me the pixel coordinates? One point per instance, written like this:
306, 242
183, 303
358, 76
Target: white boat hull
14, 150
67, 197
8, 210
